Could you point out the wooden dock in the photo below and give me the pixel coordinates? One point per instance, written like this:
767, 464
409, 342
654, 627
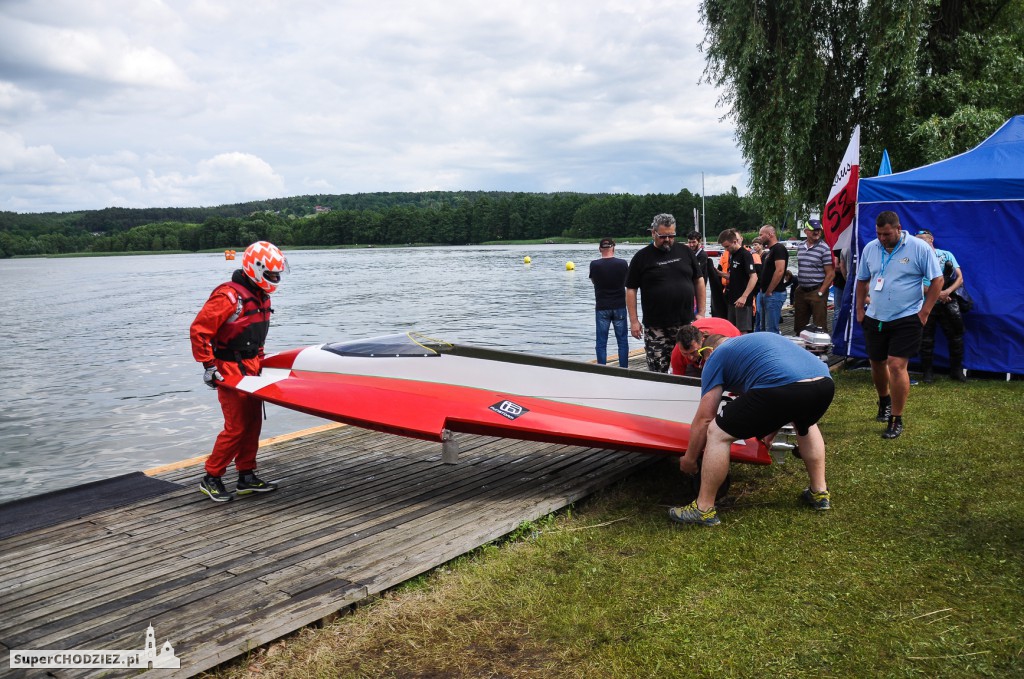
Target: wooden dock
357, 513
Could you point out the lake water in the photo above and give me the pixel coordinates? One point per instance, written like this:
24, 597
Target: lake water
99, 375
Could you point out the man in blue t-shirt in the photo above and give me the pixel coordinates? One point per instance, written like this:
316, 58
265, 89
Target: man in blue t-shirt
947, 313
778, 383
609, 277
890, 272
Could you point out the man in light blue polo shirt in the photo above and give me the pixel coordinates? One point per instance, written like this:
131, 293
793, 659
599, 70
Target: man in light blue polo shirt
889, 275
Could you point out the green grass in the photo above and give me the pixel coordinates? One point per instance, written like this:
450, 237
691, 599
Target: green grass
918, 570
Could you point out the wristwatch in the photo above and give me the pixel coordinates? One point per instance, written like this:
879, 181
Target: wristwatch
820, 293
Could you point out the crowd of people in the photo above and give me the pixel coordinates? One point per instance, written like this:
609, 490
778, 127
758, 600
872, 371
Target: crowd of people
905, 290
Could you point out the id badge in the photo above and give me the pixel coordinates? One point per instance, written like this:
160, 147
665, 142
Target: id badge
879, 282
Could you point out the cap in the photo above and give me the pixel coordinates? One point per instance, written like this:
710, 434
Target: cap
607, 243
813, 225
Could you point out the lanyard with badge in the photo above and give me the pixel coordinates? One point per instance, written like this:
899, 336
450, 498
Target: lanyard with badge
880, 281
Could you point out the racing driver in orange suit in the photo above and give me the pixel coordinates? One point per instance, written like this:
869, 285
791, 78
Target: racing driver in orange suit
227, 338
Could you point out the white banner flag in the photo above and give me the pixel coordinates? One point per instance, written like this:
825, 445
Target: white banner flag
842, 200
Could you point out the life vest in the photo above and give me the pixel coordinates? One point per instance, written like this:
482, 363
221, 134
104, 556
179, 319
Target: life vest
245, 331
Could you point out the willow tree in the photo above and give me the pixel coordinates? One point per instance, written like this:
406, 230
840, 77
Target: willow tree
923, 78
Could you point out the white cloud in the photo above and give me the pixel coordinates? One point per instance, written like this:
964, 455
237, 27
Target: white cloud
239, 173
18, 158
125, 179
106, 55
16, 104
189, 103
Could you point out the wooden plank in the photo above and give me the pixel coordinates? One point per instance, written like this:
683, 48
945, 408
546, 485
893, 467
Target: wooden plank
305, 544
500, 517
359, 512
287, 553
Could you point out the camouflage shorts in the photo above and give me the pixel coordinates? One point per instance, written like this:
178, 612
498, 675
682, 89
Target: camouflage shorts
658, 345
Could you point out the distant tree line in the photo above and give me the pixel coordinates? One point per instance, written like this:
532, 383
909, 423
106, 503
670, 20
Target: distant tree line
448, 218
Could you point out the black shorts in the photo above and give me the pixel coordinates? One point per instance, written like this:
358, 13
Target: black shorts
900, 338
760, 412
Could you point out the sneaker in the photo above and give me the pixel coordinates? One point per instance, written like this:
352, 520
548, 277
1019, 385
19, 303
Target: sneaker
884, 411
248, 482
894, 429
819, 501
213, 488
690, 514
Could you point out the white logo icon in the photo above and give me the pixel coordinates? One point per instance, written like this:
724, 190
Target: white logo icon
509, 409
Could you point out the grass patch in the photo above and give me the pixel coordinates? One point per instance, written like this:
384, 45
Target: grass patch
916, 572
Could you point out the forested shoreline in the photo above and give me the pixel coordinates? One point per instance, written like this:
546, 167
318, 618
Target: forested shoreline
434, 217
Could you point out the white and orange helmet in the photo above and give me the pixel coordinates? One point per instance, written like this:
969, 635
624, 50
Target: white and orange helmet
263, 263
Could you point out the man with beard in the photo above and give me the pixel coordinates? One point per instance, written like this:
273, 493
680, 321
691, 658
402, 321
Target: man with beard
775, 260
669, 281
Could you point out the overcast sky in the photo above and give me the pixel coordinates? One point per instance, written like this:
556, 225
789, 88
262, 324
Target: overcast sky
147, 103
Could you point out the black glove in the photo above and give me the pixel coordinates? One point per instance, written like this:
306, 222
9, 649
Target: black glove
212, 376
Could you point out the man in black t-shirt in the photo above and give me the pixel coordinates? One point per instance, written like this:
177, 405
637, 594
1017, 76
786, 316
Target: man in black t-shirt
739, 293
774, 261
668, 279
609, 277
696, 244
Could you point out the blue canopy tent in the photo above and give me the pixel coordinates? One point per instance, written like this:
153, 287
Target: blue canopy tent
974, 204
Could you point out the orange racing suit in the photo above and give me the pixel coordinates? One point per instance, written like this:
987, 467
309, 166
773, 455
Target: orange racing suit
228, 333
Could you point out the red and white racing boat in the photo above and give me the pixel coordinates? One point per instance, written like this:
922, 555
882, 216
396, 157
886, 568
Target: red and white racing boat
415, 386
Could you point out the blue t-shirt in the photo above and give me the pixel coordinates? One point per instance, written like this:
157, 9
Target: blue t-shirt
943, 256
901, 270
761, 360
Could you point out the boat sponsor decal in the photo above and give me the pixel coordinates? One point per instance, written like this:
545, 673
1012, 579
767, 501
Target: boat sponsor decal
509, 410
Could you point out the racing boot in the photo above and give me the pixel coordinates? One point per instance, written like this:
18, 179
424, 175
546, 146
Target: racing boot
956, 371
956, 359
927, 375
